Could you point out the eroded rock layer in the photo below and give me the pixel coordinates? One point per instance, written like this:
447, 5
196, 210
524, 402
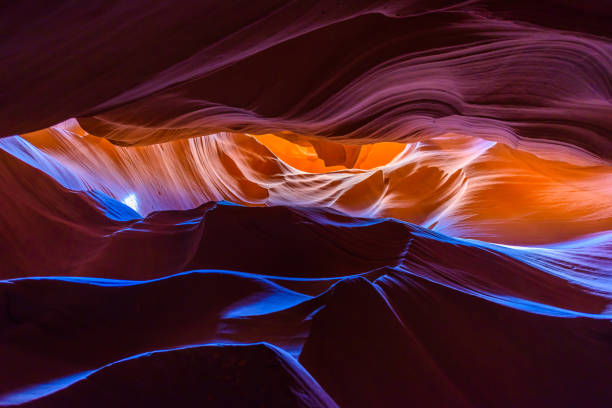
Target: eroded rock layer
306, 203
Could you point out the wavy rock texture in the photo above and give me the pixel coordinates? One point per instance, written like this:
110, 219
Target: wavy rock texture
392, 70
306, 203
455, 184
256, 375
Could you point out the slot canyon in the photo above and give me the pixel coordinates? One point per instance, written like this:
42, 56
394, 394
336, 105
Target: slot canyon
310, 203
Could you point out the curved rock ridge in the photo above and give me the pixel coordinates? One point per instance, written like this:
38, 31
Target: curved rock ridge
397, 336
217, 375
458, 185
306, 203
333, 290
104, 234
404, 337
368, 70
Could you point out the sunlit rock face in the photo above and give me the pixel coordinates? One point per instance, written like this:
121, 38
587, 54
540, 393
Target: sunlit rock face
454, 184
314, 204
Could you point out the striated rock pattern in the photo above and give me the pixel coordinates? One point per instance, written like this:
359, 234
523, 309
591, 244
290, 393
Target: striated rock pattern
368, 203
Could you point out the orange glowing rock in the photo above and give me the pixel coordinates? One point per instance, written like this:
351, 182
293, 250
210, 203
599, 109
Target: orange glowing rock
455, 184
